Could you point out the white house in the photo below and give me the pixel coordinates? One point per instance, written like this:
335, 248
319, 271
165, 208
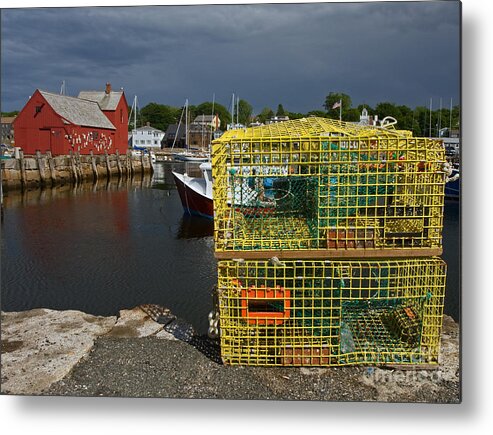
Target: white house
146, 137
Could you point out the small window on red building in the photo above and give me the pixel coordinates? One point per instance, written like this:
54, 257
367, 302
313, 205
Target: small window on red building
95, 135
38, 109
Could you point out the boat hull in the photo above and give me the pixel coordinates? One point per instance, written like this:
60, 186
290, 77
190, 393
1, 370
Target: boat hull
192, 201
452, 188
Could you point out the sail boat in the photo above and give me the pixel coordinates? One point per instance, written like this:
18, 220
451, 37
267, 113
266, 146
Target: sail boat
188, 155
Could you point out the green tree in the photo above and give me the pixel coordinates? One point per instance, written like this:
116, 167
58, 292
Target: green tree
351, 115
245, 111
14, 113
333, 98
295, 115
387, 109
405, 117
160, 116
265, 115
405, 120
280, 110
319, 113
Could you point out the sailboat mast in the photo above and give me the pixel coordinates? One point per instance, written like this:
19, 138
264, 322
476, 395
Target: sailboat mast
213, 119
186, 123
440, 118
233, 111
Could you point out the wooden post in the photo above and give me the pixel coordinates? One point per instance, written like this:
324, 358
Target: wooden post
108, 168
118, 163
150, 163
41, 168
51, 165
142, 162
23, 169
131, 163
78, 166
94, 167
75, 175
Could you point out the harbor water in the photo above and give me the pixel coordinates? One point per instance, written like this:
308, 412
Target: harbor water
115, 245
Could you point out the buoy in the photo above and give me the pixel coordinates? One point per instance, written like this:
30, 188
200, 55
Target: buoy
213, 332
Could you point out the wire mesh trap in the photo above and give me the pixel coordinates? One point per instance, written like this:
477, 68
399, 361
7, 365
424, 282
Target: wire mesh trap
330, 313
327, 186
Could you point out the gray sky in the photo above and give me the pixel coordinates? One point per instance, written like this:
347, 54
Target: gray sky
293, 54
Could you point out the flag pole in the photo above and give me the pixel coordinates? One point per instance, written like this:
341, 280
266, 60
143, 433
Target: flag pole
340, 110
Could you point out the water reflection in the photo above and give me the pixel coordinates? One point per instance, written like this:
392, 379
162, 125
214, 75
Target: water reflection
163, 178
195, 226
103, 247
17, 198
113, 245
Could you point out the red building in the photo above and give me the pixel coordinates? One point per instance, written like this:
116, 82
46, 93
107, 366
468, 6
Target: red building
114, 105
60, 124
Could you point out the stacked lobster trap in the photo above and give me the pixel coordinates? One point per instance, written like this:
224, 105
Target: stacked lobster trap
328, 236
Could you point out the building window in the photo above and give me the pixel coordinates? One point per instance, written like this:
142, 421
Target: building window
38, 109
95, 135
155, 142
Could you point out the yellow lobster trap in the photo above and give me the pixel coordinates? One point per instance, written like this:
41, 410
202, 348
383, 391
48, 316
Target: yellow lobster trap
315, 188
330, 313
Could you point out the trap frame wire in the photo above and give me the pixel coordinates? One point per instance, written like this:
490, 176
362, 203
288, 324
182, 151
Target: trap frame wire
332, 188
330, 313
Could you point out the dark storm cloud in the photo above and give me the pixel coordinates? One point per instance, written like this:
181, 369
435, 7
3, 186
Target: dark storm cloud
267, 54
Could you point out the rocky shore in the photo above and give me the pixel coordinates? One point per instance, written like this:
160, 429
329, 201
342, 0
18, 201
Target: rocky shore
147, 352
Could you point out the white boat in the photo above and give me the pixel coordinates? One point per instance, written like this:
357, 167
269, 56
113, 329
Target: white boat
196, 192
190, 156
452, 186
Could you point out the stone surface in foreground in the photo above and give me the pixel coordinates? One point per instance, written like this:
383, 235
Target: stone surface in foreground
40, 347
69, 353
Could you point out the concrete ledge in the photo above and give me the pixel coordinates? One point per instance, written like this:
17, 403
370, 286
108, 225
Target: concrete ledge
40, 347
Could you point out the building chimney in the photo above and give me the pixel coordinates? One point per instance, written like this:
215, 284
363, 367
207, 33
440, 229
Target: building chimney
108, 88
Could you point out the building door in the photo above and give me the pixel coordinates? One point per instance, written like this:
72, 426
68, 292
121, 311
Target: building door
45, 140
57, 142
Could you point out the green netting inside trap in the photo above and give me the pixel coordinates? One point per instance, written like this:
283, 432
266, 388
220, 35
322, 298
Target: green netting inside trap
275, 213
387, 327
272, 232
343, 194
316, 305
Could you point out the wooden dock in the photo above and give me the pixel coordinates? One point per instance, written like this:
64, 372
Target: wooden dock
40, 170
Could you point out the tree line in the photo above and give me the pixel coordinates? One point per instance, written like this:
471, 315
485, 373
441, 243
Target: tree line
417, 120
